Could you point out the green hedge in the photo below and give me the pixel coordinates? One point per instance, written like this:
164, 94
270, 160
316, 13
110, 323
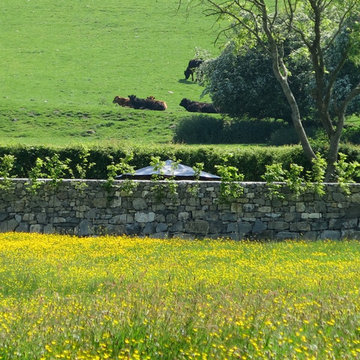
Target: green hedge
205, 129
250, 160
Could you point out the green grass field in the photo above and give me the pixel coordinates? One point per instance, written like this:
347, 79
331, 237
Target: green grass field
63, 62
64, 297
74, 56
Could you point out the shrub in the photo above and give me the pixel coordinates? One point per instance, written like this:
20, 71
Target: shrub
199, 129
351, 134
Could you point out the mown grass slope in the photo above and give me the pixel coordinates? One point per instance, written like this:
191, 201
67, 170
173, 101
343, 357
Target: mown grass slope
75, 56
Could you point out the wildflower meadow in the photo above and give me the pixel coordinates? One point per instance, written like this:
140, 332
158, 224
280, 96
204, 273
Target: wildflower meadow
65, 297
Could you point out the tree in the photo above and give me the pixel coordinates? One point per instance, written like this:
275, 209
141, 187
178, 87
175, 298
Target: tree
320, 25
240, 84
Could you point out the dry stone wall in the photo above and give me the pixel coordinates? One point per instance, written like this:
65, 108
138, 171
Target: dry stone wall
85, 208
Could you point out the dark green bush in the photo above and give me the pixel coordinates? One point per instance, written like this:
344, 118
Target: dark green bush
351, 134
288, 136
202, 129
199, 129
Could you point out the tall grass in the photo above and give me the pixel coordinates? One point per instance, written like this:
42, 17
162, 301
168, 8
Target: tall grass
123, 298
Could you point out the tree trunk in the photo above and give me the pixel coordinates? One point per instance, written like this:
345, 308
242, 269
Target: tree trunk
295, 113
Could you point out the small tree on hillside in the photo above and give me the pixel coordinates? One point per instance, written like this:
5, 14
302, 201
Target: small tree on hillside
319, 25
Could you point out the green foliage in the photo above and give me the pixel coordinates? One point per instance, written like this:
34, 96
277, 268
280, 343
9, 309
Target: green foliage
230, 188
6, 167
163, 187
241, 82
35, 173
203, 129
317, 175
250, 160
123, 167
83, 165
194, 188
351, 134
56, 169
346, 172
277, 177
274, 177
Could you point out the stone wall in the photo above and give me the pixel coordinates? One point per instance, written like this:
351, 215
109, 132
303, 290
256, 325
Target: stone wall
86, 208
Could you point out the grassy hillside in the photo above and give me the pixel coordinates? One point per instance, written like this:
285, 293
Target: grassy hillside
72, 56
83, 53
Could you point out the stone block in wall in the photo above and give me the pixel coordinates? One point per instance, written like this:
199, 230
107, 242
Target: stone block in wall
200, 227
143, 217
41, 218
264, 209
160, 218
300, 207
206, 201
244, 228
149, 228
278, 225
8, 225
139, 204
300, 226
237, 208
311, 215
310, 235
355, 198
133, 229
259, 227
319, 206
353, 211
84, 228
183, 216
318, 226
338, 197
48, 229
161, 228
330, 235
335, 224
259, 201
232, 227
36, 228
178, 227
273, 215
23, 227
100, 202
285, 235
291, 217
229, 216
350, 234
3, 216
170, 218
116, 202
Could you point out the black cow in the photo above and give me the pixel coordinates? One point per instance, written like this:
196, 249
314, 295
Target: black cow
193, 64
195, 106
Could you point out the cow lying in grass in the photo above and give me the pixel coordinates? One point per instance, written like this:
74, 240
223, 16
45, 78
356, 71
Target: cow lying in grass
149, 103
193, 64
122, 101
195, 106
134, 102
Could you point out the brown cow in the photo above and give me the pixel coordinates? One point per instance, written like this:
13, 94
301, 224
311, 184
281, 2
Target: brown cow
195, 106
149, 103
125, 102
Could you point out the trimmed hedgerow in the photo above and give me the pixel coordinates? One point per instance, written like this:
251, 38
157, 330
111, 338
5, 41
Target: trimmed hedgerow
250, 160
